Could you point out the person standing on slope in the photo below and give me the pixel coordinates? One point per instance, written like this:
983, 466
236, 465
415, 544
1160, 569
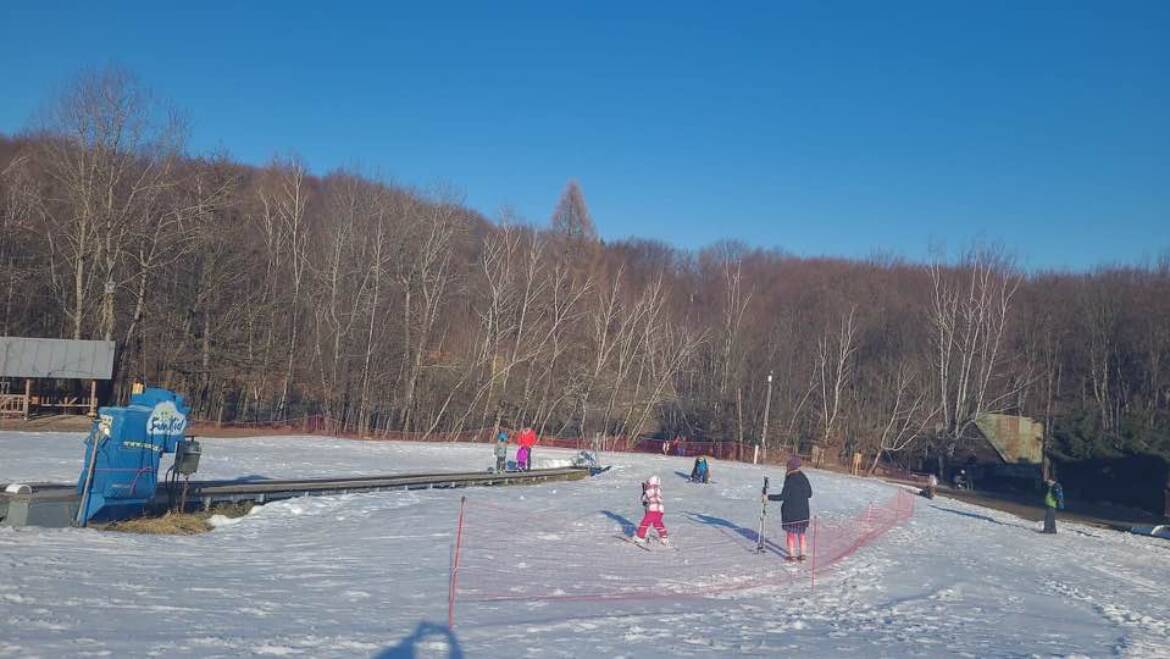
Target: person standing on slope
501, 451
794, 512
652, 503
526, 440
1053, 499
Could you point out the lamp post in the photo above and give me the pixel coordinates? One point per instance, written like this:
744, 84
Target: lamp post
108, 309
767, 405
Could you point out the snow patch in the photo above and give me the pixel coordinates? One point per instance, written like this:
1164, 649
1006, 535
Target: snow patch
361, 571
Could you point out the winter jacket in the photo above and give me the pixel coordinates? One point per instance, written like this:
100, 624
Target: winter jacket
527, 438
501, 449
699, 471
794, 495
652, 498
1054, 497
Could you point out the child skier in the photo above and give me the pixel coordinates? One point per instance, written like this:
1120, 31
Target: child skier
700, 473
794, 513
652, 502
501, 451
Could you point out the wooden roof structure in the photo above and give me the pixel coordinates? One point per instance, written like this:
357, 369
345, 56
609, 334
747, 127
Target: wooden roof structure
58, 359
52, 359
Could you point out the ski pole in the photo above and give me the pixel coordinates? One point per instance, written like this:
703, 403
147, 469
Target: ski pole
760, 541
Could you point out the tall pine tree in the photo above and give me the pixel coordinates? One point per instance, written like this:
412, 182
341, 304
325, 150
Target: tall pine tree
571, 217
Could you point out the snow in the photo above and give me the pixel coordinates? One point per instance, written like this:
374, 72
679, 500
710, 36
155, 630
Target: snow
367, 574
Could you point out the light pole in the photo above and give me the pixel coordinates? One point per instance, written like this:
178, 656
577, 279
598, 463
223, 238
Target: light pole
108, 309
767, 405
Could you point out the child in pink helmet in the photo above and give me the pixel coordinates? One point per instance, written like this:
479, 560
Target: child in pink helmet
652, 502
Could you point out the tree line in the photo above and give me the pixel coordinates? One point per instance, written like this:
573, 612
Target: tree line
269, 293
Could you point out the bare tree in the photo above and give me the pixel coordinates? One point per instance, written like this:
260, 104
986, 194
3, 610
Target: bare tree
970, 310
835, 357
17, 250
285, 203
109, 155
909, 417
425, 276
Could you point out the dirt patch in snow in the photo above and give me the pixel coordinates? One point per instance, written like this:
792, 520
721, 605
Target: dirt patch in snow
178, 523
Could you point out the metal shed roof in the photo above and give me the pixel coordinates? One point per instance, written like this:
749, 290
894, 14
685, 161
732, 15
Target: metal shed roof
64, 359
1017, 439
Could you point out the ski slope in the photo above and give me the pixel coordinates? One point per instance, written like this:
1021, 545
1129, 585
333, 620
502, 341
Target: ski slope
367, 575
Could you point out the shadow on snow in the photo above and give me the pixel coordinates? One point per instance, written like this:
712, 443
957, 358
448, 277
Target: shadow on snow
426, 633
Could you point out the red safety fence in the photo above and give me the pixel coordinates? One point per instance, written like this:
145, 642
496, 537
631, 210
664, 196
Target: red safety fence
508, 559
318, 424
324, 425
835, 540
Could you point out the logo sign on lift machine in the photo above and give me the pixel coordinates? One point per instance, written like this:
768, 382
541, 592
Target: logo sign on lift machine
167, 420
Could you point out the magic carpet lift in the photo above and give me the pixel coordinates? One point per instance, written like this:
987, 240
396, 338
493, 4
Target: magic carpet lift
123, 450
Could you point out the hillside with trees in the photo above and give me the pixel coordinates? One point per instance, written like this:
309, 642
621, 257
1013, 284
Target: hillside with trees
270, 293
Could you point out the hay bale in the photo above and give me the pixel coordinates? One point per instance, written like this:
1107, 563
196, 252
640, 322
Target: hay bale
168, 524
173, 523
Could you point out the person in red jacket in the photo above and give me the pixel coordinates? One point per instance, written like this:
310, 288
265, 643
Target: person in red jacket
526, 439
652, 502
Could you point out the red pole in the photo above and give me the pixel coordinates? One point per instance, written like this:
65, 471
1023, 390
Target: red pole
454, 581
813, 567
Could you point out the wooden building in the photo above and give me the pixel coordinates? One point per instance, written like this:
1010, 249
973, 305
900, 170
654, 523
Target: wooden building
41, 375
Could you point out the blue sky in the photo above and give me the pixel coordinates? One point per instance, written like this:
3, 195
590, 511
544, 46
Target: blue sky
823, 128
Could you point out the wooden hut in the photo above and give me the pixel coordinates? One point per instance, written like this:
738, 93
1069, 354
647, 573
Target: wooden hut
32, 372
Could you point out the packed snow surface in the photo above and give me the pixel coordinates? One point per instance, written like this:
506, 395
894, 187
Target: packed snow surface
367, 574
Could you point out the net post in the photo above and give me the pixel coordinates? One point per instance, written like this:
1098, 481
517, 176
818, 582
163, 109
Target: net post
453, 581
813, 568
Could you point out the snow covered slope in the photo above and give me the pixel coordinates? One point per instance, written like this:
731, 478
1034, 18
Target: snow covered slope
367, 575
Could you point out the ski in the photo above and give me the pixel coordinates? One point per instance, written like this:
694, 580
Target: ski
644, 546
760, 541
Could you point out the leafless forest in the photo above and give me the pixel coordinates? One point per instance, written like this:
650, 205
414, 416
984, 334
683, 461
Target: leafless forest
270, 293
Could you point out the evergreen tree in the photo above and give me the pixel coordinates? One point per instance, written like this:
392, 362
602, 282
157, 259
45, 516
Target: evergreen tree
571, 218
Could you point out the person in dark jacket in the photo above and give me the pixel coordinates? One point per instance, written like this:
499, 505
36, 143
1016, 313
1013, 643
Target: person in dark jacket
1053, 499
794, 512
700, 473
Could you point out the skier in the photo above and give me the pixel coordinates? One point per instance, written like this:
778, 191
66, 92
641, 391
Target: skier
931, 485
501, 451
700, 473
794, 513
1053, 499
526, 440
652, 503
